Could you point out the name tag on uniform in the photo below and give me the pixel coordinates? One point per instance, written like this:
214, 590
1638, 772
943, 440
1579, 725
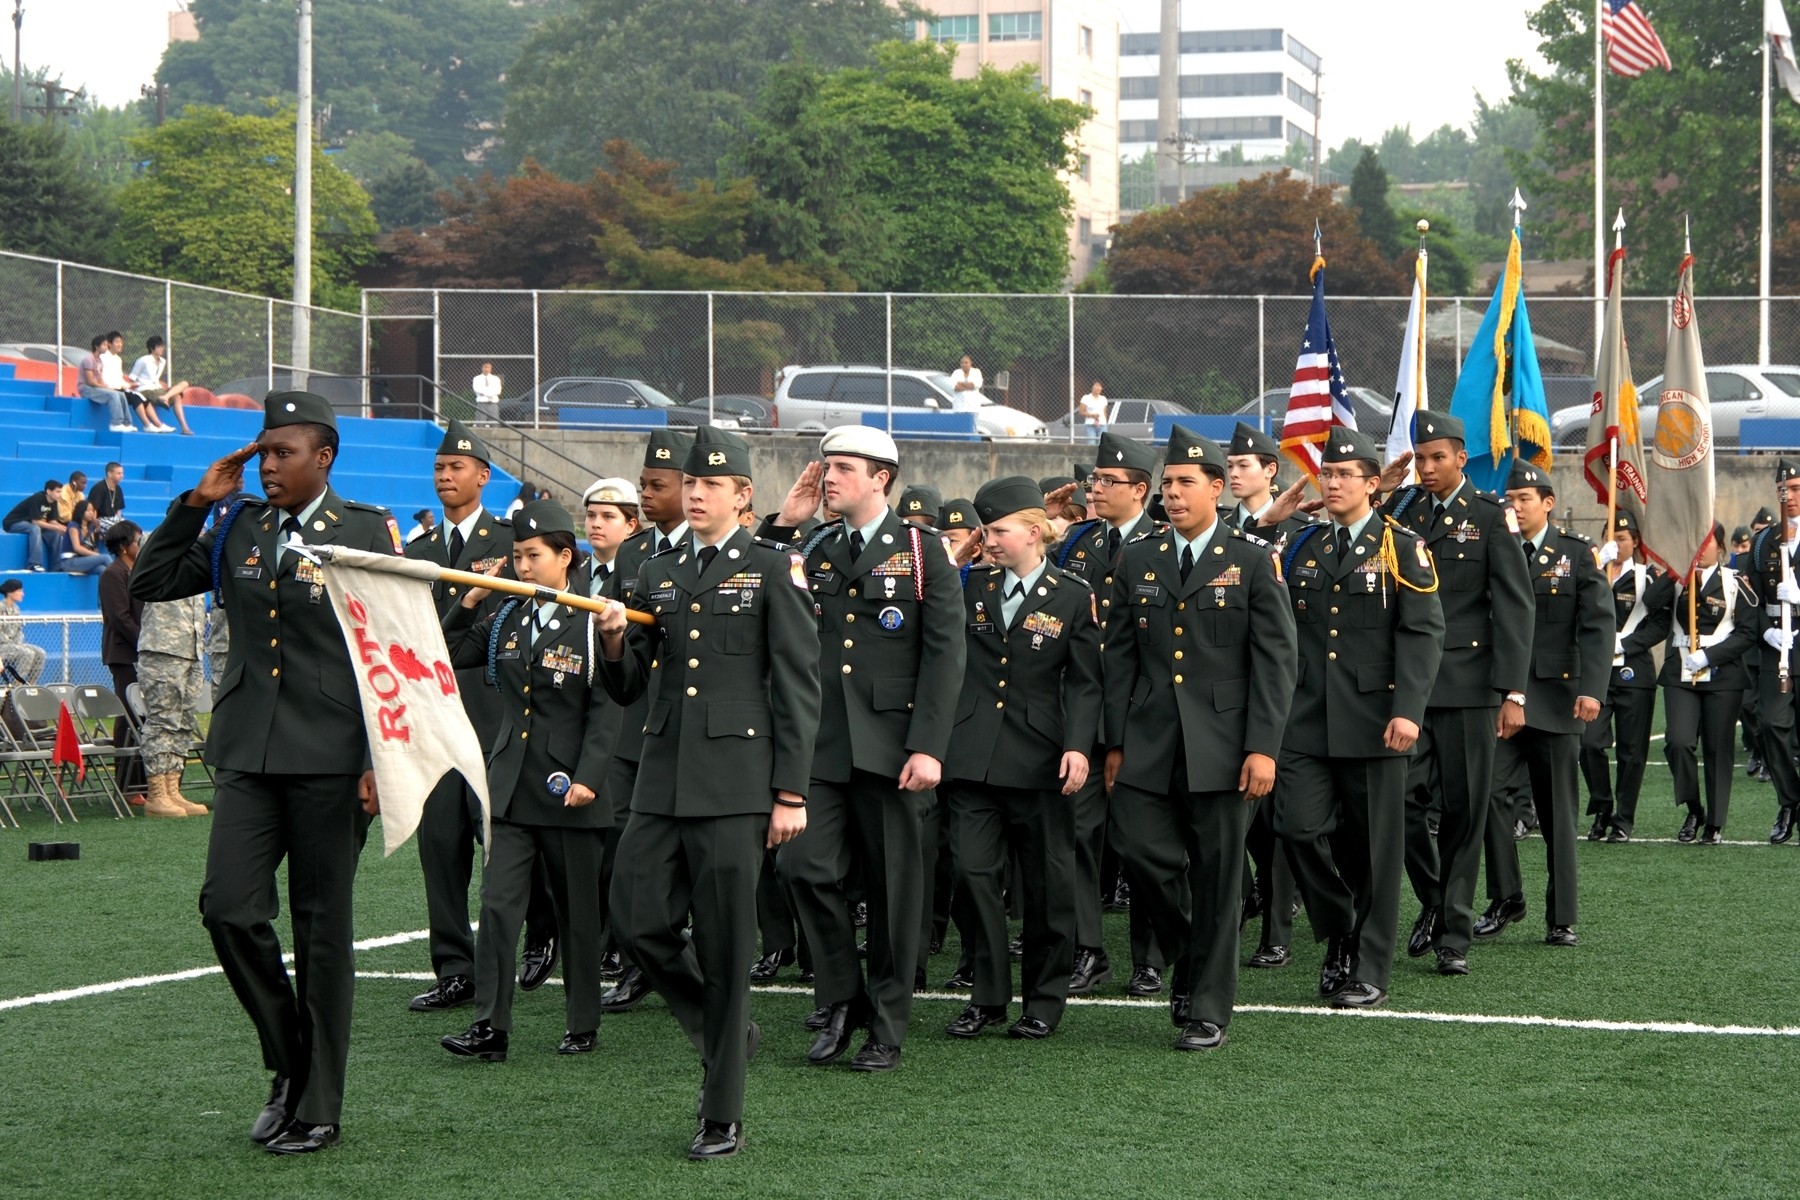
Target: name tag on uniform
662, 595
1306, 572
981, 627
248, 572
1146, 589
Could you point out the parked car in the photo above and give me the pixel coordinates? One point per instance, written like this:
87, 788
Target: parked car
548, 400
814, 399
46, 352
1736, 392
749, 411
1129, 418
1374, 411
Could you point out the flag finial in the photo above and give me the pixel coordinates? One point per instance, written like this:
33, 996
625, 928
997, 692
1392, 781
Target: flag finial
1618, 227
1318, 239
1518, 205
1687, 235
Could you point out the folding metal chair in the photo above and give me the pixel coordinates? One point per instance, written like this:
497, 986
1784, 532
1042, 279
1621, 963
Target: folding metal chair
39, 706
95, 709
27, 754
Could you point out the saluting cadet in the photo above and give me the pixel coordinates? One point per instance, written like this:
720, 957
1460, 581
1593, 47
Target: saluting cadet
662, 513
1371, 634
470, 539
1480, 687
1623, 725
1091, 551
288, 747
731, 670
1704, 679
960, 524
1199, 615
920, 504
548, 792
1028, 715
888, 604
1571, 661
1772, 578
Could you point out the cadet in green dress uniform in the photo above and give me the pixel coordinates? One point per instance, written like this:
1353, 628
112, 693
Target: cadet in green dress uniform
546, 780
1091, 551
1028, 715
1571, 662
289, 749
1487, 606
1199, 618
1253, 461
470, 539
731, 668
921, 504
1772, 575
1371, 633
1630, 701
888, 604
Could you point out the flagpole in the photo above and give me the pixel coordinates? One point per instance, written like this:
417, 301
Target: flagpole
1423, 227
1687, 252
420, 569
1518, 206
1599, 183
1768, 210
1612, 474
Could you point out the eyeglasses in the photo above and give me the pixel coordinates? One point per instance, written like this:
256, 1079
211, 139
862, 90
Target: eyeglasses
1342, 476
1106, 481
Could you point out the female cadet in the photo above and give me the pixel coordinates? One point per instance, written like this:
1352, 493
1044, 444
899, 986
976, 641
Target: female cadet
1703, 683
545, 771
1028, 714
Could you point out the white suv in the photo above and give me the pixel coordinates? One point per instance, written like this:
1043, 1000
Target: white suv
815, 399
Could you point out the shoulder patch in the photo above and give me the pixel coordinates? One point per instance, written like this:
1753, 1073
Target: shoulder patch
1512, 520
797, 570
394, 533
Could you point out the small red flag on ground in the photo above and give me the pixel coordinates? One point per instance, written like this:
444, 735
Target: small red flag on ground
68, 744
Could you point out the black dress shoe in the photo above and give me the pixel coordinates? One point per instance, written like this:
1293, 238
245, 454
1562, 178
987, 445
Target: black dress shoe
974, 1019
1200, 1035
276, 1114
1334, 973
1029, 1029
834, 1035
961, 979
1597, 831
453, 992
537, 963
876, 1056
1752, 766
1617, 836
716, 1139
1015, 948
480, 1040
1424, 930
1451, 962
1559, 935
611, 966
1357, 994
626, 994
301, 1138
806, 975
1499, 915
1181, 1006
1254, 904
1120, 899
1783, 829
1146, 980
1269, 957
859, 916
1712, 835
576, 1043
920, 983
769, 965
817, 1018
1690, 828
1091, 970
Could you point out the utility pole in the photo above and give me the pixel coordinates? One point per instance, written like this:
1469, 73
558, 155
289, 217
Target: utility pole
161, 92
303, 141
18, 79
52, 107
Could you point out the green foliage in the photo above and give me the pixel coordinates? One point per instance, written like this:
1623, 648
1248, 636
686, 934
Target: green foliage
1369, 199
960, 174
215, 206
429, 71
99, 140
405, 196
675, 77
49, 204
1680, 143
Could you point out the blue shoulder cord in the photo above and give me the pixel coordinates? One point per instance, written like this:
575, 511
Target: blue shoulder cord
1074, 535
1293, 550
1410, 494
818, 537
221, 529
493, 648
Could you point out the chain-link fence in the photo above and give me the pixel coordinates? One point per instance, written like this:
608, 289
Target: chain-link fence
1039, 354
70, 644
222, 341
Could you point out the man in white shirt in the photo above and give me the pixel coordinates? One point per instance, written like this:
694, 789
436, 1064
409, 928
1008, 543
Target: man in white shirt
967, 377
486, 387
147, 381
1094, 407
112, 375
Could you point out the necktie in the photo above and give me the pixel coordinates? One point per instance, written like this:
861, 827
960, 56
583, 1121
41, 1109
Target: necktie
290, 528
456, 546
539, 619
1528, 549
662, 543
1437, 512
856, 543
602, 573
1343, 541
1015, 591
1187, 562
1112, 544
707, 554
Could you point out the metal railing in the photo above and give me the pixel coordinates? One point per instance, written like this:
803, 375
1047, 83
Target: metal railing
71, 644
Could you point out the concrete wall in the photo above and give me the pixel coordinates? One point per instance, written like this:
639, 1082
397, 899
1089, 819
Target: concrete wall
1742, 483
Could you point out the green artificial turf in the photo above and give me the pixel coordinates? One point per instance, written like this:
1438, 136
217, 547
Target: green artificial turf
150, 1091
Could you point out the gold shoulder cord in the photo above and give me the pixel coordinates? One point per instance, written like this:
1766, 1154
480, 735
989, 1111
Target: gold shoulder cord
1391, 556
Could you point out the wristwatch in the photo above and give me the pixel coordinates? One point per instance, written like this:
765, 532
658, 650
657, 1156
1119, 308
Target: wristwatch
1517, 698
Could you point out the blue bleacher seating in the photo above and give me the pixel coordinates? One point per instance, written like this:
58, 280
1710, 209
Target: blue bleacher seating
46, 436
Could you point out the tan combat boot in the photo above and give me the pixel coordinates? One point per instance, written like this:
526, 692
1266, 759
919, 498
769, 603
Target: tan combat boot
172, 782
159, 804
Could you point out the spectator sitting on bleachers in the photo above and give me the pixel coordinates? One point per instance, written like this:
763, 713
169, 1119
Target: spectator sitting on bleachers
93, 387
71, 495
147, 375
112, 373
20, 661
35, 517
109, 498
82, 554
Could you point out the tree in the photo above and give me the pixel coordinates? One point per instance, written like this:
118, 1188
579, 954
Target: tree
49, 204
405, 196
430, 71
1251, 239
675, 77
215, 206
1368, 199
1680, 143
961, 175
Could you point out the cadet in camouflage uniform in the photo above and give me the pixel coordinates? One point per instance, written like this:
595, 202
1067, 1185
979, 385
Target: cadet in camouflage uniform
171, 674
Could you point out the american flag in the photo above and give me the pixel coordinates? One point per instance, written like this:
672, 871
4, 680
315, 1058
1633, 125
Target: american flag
1317, 401
1632, 46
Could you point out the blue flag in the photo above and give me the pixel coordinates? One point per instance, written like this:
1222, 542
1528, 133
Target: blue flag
1499, 395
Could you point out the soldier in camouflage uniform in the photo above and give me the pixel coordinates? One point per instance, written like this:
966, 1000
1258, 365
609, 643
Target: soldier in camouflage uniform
171, 654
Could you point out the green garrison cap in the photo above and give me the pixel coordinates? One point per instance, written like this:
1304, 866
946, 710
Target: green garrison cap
297, 408
1524, 475
716, 452
961, 514
921, 500
1007, 495
1187, 448
1350, 445
460, 439
1129, 453
541, 517
667, 449
1431, 427
1248, 439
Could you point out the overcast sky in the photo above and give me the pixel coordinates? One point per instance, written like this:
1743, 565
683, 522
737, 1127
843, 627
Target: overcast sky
1387, 62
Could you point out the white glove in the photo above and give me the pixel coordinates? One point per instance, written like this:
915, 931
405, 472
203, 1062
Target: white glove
1788, 592
1779, 640
1609, 552
1695, 662
1618, 644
